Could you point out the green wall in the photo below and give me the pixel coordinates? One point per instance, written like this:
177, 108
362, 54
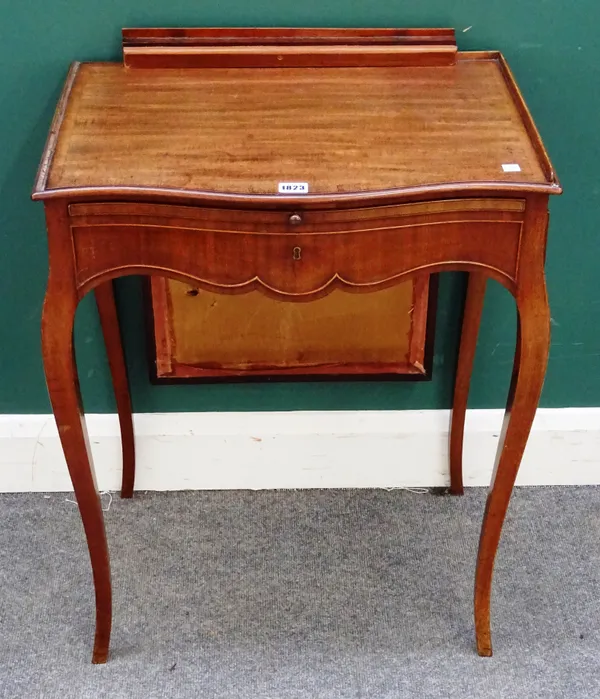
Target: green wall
552, 47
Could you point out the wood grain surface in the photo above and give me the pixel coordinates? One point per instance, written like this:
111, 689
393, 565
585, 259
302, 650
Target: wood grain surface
245, 130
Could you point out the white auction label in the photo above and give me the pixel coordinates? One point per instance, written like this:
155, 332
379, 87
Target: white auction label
293, 188
511, 167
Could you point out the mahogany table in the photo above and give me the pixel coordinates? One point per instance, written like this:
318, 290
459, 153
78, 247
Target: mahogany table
294, 162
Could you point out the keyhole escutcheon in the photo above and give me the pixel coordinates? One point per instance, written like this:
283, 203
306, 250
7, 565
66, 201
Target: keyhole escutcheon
297, 253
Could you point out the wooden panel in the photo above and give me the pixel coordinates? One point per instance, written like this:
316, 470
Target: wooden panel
341, 131
236, 262
248, 220
199, 334
277, 48
287, 56
231, 36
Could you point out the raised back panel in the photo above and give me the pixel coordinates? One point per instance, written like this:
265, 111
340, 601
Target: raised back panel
264, 48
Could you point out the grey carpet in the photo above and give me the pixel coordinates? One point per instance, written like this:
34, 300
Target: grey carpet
320, 594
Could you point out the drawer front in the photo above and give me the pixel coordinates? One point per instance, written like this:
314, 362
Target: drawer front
294, 253
278, 222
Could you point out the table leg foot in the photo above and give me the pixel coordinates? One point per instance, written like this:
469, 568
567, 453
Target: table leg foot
484, 649
468, 342
528, 377
107, 310
100, 654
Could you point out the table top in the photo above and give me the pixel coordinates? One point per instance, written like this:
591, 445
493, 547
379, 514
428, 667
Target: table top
343, 131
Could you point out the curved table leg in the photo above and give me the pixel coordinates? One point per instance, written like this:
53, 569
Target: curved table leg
466, 354
528, 377
107, 310
63, 387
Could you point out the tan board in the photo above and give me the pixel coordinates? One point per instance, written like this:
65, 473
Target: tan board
203, 334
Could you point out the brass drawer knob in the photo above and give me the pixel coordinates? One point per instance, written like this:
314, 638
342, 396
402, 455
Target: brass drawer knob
295, 219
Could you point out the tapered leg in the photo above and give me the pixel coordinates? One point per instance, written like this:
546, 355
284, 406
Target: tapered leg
109, 321
528, 377
63, 388
466, 354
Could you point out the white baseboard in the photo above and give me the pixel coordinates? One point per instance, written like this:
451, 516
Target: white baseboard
354, 449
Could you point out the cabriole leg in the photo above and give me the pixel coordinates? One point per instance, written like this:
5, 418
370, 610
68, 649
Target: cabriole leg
63, 388
107, 310
528, 377
466, 354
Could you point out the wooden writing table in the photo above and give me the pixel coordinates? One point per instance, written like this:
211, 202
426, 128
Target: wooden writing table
417, 159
